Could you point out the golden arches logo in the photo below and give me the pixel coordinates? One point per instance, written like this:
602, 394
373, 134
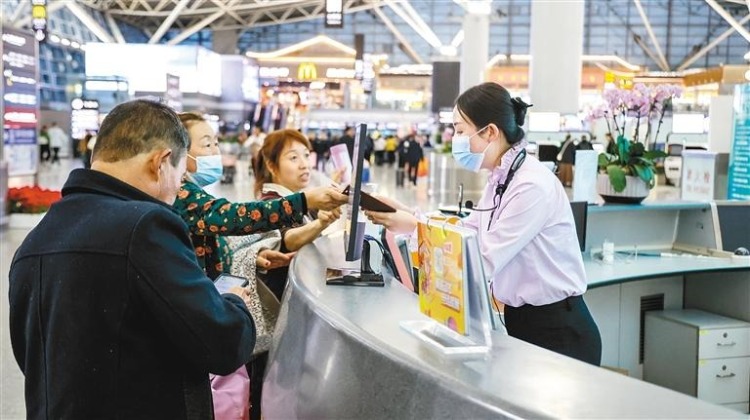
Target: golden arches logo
307, 71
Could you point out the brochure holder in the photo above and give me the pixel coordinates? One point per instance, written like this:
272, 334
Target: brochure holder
453, 292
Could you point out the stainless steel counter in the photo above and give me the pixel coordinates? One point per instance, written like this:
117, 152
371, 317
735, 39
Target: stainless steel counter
339, 352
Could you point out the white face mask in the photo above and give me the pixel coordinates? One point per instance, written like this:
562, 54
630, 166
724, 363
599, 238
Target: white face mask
461, 150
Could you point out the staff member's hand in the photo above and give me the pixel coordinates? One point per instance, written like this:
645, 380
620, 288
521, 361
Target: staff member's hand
268, 259
399, 222
324, 198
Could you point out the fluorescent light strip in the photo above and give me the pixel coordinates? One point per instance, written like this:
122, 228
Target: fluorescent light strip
586, 58
322, 60
320, 39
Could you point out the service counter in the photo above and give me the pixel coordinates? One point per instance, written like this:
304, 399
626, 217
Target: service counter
340, 352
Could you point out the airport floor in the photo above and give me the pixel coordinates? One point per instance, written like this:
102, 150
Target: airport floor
424, 195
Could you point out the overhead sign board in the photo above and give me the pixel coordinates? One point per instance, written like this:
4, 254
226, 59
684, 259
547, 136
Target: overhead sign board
334, 17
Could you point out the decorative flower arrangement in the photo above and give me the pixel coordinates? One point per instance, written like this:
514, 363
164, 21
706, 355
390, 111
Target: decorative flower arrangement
633, 157
31, 199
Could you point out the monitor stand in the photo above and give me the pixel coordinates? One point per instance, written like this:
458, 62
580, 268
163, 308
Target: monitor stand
365, 277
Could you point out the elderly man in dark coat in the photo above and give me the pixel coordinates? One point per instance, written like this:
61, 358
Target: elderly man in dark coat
110, 314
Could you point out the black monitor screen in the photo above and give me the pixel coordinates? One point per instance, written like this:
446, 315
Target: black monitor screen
356, 229
734, 225
580, 213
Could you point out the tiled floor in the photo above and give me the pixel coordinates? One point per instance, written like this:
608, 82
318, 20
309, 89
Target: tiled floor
439, 188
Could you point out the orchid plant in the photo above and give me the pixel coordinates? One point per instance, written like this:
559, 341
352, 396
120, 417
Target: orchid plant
633, 157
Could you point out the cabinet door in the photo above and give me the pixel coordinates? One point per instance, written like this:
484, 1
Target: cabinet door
724, 342
723, 381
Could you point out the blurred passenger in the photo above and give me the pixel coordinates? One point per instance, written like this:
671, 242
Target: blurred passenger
254, 143
379, 149
565, 161
57, 139
391, 145
348, 140
611, 144
129, 325
584, 144
44, 149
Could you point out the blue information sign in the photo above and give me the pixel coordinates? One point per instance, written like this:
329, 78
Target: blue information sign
739, 159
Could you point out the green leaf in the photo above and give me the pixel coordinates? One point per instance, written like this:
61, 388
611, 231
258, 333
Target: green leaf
654, 154
636, 149
604, 160
645, 173
623, 148
616, 177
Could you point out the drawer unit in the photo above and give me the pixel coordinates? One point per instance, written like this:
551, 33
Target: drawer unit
700, 354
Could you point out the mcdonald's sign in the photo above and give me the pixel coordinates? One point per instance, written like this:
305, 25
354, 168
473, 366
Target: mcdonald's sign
307, 71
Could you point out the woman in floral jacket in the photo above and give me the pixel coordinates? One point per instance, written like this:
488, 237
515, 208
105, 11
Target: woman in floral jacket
210, 219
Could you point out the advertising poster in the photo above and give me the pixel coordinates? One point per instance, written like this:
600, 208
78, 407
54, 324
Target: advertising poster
442, 277
20, 102
739, 156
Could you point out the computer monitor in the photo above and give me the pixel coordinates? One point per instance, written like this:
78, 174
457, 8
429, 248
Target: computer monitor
356, 230
580, 215
733, 224
354, 233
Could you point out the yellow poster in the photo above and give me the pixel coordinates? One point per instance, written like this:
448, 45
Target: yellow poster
441, 276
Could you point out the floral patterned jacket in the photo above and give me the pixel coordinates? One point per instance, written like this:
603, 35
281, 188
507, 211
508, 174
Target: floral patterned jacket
209, 219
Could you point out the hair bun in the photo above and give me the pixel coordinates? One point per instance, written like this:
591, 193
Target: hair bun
519, 109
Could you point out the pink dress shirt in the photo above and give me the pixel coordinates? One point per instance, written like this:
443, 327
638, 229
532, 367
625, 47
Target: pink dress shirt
530, 253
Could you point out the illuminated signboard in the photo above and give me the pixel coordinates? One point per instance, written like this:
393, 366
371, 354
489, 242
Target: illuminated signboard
307, 71
84, 117
20, 101
39, 19
334, 14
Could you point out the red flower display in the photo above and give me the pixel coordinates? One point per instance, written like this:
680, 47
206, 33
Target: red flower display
31, 199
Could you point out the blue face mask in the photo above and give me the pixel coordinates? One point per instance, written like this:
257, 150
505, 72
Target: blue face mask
461, 150
209, 169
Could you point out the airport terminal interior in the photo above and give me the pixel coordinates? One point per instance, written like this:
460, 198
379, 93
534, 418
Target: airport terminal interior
571, 244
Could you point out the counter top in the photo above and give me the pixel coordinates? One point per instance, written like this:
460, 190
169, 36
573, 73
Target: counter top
649, 205
627, 268
339, 352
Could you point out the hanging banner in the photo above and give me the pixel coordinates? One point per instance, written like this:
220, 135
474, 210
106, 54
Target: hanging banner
20, 101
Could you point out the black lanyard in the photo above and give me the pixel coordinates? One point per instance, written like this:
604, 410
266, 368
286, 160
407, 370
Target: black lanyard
499, 188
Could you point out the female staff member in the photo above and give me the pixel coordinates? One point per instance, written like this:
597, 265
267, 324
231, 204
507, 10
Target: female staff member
525, 227
210, 219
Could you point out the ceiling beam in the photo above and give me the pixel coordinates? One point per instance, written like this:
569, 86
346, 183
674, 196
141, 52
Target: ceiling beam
114, 28
399, 36
195, 28
711, 45
19, 8
639, 41
167, 23
432, 39
227, 8
723, 13
89, 21
660, 55
274, 5
253, 22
